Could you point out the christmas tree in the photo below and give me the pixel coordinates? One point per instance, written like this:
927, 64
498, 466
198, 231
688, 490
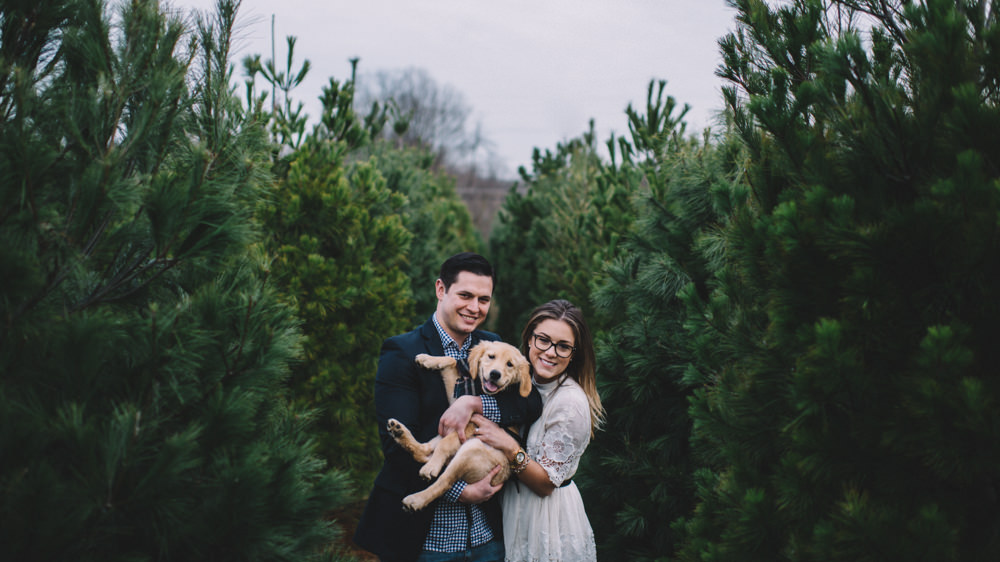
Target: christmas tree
143, 352
855, 419
555, 232
637, 477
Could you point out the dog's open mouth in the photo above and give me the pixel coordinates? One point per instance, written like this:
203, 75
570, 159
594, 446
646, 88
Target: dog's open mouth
489, 387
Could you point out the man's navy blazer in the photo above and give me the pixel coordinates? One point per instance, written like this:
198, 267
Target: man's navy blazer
416, 397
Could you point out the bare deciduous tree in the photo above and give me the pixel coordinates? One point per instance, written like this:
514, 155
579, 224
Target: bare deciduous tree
435, 116
425, 113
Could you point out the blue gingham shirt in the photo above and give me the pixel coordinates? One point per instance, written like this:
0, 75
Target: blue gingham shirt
458, 526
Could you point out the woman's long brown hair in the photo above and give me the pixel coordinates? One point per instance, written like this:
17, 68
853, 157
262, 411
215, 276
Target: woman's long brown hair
583, 366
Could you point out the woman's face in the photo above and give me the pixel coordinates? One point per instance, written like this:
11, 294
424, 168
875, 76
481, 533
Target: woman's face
557, 335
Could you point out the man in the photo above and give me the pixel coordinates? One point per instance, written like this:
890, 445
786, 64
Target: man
464, 524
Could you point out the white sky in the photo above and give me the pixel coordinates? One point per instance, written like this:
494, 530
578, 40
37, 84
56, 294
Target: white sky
533, 72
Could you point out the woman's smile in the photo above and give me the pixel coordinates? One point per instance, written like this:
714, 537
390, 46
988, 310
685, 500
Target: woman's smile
547, 365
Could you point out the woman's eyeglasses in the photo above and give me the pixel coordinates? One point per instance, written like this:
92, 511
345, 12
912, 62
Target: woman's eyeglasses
543, 343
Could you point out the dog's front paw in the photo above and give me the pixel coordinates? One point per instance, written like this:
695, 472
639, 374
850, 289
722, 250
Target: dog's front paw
433, 362
425, 361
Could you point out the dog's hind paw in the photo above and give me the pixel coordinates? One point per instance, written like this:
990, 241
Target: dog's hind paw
429, 473
395, 428
413, 502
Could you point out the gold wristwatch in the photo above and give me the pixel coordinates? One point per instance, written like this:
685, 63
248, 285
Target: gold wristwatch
520, 461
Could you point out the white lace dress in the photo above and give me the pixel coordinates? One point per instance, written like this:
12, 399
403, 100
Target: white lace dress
554, 528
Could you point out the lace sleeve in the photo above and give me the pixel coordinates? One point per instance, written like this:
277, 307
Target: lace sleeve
565, 436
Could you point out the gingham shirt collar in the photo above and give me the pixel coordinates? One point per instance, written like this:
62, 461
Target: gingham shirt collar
451, 348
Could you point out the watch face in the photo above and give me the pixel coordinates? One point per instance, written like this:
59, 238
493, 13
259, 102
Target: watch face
519, 457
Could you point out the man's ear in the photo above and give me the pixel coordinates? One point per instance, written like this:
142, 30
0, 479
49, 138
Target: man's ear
439, 289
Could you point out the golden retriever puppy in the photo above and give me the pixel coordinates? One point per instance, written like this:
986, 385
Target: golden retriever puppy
498, 366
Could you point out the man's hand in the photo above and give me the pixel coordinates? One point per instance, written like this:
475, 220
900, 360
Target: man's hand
478, 492
457, 416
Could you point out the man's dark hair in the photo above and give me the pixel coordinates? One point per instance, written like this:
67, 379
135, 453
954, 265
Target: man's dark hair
465, 261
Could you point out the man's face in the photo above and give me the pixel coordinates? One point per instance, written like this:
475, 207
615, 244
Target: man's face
463, 307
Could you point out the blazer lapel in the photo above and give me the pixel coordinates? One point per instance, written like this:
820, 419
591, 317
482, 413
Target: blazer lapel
432, 340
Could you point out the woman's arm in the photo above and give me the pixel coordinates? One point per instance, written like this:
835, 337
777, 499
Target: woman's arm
533, 476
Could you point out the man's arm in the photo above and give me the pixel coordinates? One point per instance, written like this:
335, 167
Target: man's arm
506, 409
396, 396
473, 492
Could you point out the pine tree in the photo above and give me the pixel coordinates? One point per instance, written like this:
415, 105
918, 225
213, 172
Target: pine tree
857, 423
554, 234
143, 349
438, 220
354, 223
637, 477
340, 248
433, 213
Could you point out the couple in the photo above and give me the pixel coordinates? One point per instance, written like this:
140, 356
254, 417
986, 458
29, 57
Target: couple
542, 512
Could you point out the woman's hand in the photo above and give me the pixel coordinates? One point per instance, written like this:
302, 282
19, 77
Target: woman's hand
533, 475
494, 435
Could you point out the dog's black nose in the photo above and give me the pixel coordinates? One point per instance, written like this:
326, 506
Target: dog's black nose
495, 375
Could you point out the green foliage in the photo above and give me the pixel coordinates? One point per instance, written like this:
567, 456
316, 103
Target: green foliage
853, 423
340, 248
433, 213
553, 236
287, 123
638, 474
143, 349
338, 120
356, 226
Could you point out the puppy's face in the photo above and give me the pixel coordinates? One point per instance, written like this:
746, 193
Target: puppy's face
499, 365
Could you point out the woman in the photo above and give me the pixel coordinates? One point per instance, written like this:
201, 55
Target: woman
543, 514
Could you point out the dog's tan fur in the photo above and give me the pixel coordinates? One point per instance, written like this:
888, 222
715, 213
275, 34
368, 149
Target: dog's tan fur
471, 461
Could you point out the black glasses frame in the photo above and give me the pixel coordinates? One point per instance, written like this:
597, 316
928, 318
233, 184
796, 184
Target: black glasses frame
560, 346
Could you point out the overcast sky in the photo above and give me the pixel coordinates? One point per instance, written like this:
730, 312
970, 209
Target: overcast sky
533, 72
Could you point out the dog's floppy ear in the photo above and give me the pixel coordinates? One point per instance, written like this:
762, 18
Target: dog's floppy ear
475, 355
524, 370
